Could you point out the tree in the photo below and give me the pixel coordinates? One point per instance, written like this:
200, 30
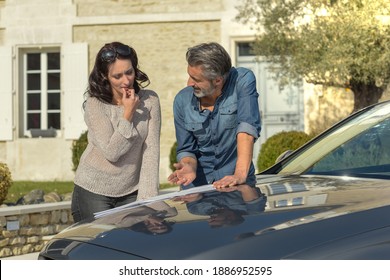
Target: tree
341, 43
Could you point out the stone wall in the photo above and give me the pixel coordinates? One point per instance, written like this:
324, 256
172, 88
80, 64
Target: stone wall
25, 229
92, 8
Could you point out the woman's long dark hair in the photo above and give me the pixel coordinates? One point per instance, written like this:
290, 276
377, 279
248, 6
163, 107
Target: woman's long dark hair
98, 83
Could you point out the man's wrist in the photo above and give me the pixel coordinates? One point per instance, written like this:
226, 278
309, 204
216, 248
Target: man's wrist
241, 174
190, 162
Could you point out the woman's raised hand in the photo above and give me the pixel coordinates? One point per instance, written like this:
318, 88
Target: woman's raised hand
130, 101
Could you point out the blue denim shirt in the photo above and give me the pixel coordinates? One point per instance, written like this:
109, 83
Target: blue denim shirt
211, 137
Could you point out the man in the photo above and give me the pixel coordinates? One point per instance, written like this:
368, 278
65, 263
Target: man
217, 121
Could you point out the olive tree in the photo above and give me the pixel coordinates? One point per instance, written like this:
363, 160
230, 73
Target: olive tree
341, 43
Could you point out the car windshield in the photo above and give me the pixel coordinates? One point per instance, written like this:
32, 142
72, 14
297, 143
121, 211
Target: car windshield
358, 147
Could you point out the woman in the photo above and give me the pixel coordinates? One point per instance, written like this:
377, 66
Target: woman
121, 162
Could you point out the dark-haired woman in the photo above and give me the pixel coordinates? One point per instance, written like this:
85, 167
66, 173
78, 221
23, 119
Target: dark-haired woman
121, 162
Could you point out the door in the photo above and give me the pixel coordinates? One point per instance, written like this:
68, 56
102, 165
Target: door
280, 109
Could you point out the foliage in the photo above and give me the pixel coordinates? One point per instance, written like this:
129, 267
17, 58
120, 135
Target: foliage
5, 181
78, 147
342, 43
166, 186
172, 156
21, 188
278, 143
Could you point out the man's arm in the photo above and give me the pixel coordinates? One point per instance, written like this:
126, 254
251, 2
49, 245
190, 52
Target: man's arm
186, 167
244, 158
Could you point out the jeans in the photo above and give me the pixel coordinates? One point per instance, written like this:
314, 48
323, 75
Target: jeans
86, 203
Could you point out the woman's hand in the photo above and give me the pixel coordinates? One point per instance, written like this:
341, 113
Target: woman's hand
130, 101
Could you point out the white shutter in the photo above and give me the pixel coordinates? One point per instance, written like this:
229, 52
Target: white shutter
74, 82
6, 105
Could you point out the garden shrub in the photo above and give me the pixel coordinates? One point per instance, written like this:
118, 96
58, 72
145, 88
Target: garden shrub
78, 147
172, 156
5, 181
278, 143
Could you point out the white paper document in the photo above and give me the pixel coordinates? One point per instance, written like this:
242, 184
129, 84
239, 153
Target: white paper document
204, 188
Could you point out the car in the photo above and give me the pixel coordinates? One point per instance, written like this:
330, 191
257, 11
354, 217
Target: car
327, 200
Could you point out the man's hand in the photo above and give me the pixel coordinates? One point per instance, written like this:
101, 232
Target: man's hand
185, 173
229, 181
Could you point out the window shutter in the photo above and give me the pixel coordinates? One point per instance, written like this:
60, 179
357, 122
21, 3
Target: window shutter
6, 104
74, 83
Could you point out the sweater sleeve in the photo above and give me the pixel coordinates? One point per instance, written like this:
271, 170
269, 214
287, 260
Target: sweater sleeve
149, 176
112, 139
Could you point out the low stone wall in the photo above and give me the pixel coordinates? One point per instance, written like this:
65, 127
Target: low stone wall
25, 229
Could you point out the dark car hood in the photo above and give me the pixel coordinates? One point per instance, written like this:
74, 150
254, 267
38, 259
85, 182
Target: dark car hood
282, 216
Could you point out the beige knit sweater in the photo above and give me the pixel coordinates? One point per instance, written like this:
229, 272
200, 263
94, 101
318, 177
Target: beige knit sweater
122, 156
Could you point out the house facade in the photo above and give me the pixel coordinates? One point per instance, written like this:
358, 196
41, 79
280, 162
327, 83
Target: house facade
48, 47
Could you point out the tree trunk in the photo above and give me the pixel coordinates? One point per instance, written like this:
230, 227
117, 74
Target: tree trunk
365, 94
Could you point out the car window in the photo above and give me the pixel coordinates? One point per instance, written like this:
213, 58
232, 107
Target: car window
357, 146
366, 153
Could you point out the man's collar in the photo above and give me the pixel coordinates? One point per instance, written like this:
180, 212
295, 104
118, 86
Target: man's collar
229, 80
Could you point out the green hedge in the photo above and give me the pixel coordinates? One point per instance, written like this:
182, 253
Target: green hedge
278, 143
78, 147
172, 156
5, 181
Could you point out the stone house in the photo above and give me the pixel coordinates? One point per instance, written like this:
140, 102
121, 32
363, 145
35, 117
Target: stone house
47, 49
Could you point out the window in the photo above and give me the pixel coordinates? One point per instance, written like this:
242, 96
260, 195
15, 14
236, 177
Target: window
245, 49
41, 92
